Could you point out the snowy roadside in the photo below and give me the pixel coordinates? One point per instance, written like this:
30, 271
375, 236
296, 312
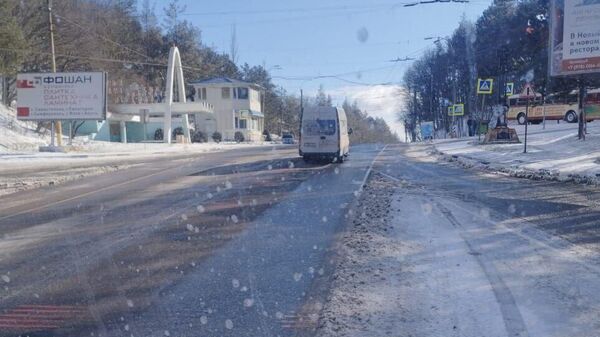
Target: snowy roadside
402, 270
553, 153
415, 261
23, 167
13, 184
24, 171
366, 259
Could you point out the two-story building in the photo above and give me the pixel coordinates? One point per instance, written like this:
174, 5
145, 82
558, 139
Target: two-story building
237, 107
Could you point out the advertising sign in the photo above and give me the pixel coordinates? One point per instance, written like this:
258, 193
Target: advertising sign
574, 37
484, 86
426, 130
61, 96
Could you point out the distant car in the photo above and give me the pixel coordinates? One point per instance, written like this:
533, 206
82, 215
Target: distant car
288, 139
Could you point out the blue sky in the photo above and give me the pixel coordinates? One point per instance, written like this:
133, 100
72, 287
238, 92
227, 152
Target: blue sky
351, 38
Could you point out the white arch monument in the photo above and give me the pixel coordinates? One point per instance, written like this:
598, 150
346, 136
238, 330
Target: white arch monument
168, 107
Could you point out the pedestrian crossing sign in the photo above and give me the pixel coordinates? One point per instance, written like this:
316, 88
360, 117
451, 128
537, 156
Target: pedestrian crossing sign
510, 88
484, 86
456, 110
459, 109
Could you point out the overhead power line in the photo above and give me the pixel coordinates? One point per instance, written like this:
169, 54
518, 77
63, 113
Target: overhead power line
87, 30
296, 10
99, 59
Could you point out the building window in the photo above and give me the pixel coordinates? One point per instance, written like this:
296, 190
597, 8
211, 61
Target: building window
242, 93
202, 94
243, 124
225, 93
237, 123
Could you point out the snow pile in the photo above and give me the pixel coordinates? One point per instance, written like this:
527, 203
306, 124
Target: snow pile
16, 135
16, 183
83, 145
358, 299
553, 153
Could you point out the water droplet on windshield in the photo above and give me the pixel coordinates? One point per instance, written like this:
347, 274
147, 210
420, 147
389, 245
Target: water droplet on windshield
200, 208
235, 283
426, 208
362, 35
6, 279
203, 320
484, 213
228, 324
248, 302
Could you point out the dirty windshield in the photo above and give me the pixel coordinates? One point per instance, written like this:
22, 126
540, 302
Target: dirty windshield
315, 168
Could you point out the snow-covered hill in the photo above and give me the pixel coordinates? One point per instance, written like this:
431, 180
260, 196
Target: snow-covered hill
15, 135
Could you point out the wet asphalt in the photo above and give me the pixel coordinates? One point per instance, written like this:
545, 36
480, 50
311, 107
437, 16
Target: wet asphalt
266, 280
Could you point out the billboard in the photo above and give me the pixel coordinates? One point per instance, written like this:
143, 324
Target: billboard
574, 37
426, 130
61, 96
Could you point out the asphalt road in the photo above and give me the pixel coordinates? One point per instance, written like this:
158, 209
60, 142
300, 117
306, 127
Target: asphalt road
241, 243
230, 243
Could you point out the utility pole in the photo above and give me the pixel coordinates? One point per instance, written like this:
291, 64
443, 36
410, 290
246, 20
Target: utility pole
431, 109
301, 101
56, 126
301, 113
526, 119
582, 116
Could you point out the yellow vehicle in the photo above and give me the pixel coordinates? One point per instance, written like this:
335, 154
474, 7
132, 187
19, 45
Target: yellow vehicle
556, 108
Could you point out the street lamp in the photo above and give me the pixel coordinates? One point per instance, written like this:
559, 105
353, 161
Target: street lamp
397, 59
437, 39
275, 67
427, 2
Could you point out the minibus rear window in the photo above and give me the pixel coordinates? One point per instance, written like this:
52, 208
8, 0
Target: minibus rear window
326, 126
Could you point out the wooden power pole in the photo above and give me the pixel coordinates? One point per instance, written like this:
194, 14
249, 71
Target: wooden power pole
55, 124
